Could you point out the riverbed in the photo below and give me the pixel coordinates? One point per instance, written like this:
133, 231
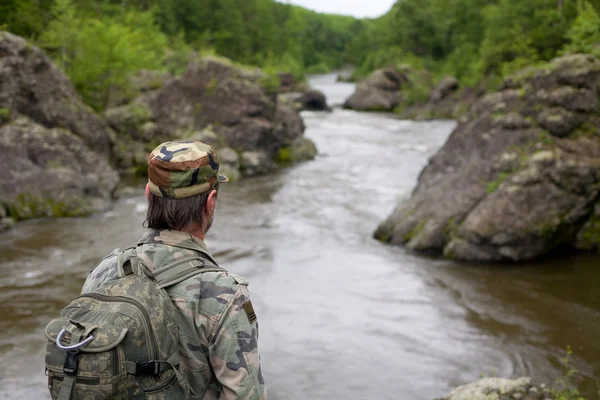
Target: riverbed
342, 316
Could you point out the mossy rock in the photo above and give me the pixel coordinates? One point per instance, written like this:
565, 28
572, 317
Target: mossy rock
27, 206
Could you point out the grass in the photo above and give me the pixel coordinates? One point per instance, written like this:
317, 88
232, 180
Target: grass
563, 386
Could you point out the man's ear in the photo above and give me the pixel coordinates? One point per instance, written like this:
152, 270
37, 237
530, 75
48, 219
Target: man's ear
211, 202
147, 190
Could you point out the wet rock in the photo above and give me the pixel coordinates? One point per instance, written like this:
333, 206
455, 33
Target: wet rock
313, 100
32, 85
500, 389
378, 92
446, 86
302, 149
518, 177
51, 172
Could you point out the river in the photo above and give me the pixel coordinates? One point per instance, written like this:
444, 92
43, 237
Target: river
341, 315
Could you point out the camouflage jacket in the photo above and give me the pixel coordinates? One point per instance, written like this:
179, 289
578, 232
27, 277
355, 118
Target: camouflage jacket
218, 329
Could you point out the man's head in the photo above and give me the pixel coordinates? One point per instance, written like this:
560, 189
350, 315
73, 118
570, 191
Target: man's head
183, 180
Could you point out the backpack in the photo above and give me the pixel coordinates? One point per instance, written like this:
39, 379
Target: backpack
120, 341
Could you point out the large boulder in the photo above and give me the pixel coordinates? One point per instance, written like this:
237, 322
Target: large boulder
501, 389
378, 92
50, 172
214, 101
55, 150
518, 177
32, 85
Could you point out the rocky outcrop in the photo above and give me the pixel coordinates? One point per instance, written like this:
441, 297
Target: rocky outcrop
501, 389
214, 101
378, 92
447, 100
50, 172
32, 85
55, 150
446, 86
518, 177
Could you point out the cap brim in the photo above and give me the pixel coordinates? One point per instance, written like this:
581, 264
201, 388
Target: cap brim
223, 179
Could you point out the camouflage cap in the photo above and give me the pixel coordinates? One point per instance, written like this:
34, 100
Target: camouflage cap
181, 169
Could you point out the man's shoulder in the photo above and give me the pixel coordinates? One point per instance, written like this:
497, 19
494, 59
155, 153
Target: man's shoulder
211, 283
105, 271
214, 292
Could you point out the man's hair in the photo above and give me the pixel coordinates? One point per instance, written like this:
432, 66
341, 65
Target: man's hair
176, 214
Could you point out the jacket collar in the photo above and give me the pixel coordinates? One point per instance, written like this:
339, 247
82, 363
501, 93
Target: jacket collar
178, 239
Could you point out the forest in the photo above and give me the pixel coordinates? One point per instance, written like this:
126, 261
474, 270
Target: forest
99, 43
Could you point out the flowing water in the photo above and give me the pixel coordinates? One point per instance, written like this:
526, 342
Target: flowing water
341, 315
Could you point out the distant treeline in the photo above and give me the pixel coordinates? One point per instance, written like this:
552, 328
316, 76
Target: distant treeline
477, 40
100, 42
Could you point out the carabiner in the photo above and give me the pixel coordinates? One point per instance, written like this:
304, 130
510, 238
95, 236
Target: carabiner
76, 346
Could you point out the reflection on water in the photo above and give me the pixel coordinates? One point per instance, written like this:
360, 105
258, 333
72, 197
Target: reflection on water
342, 316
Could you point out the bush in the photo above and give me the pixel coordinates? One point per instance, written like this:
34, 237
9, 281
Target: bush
584, 34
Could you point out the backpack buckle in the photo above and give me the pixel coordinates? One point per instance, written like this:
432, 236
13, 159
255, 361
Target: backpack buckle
76, 346
70, 366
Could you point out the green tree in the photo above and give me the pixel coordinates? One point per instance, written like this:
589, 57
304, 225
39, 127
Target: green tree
61, 34
109, 51
584, 34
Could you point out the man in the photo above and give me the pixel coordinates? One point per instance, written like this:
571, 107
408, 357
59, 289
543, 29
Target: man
218, 350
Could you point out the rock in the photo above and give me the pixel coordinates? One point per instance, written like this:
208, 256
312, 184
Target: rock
214, 101
32, 85
311, 100
378, 92
141, 82
518, 177
229, 163
255, 163
446, 86
559, 121
146, 80
228, 156
287, 82
51, 172
314, 100
499, 389
303, 149
6, 223
453, 105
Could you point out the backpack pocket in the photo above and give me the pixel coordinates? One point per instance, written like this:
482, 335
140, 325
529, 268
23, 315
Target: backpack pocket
99, 365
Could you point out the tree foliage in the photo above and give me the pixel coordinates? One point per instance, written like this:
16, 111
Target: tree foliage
100, 42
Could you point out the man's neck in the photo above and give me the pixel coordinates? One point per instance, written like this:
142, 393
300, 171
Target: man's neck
199, 233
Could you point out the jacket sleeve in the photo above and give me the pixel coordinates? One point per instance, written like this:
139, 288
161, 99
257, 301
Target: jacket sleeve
234, 351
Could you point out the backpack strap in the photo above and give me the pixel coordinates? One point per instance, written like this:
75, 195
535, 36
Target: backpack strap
179, 270
168, 274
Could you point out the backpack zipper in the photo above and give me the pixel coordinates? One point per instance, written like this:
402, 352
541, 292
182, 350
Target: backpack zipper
81, 379
138, 306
